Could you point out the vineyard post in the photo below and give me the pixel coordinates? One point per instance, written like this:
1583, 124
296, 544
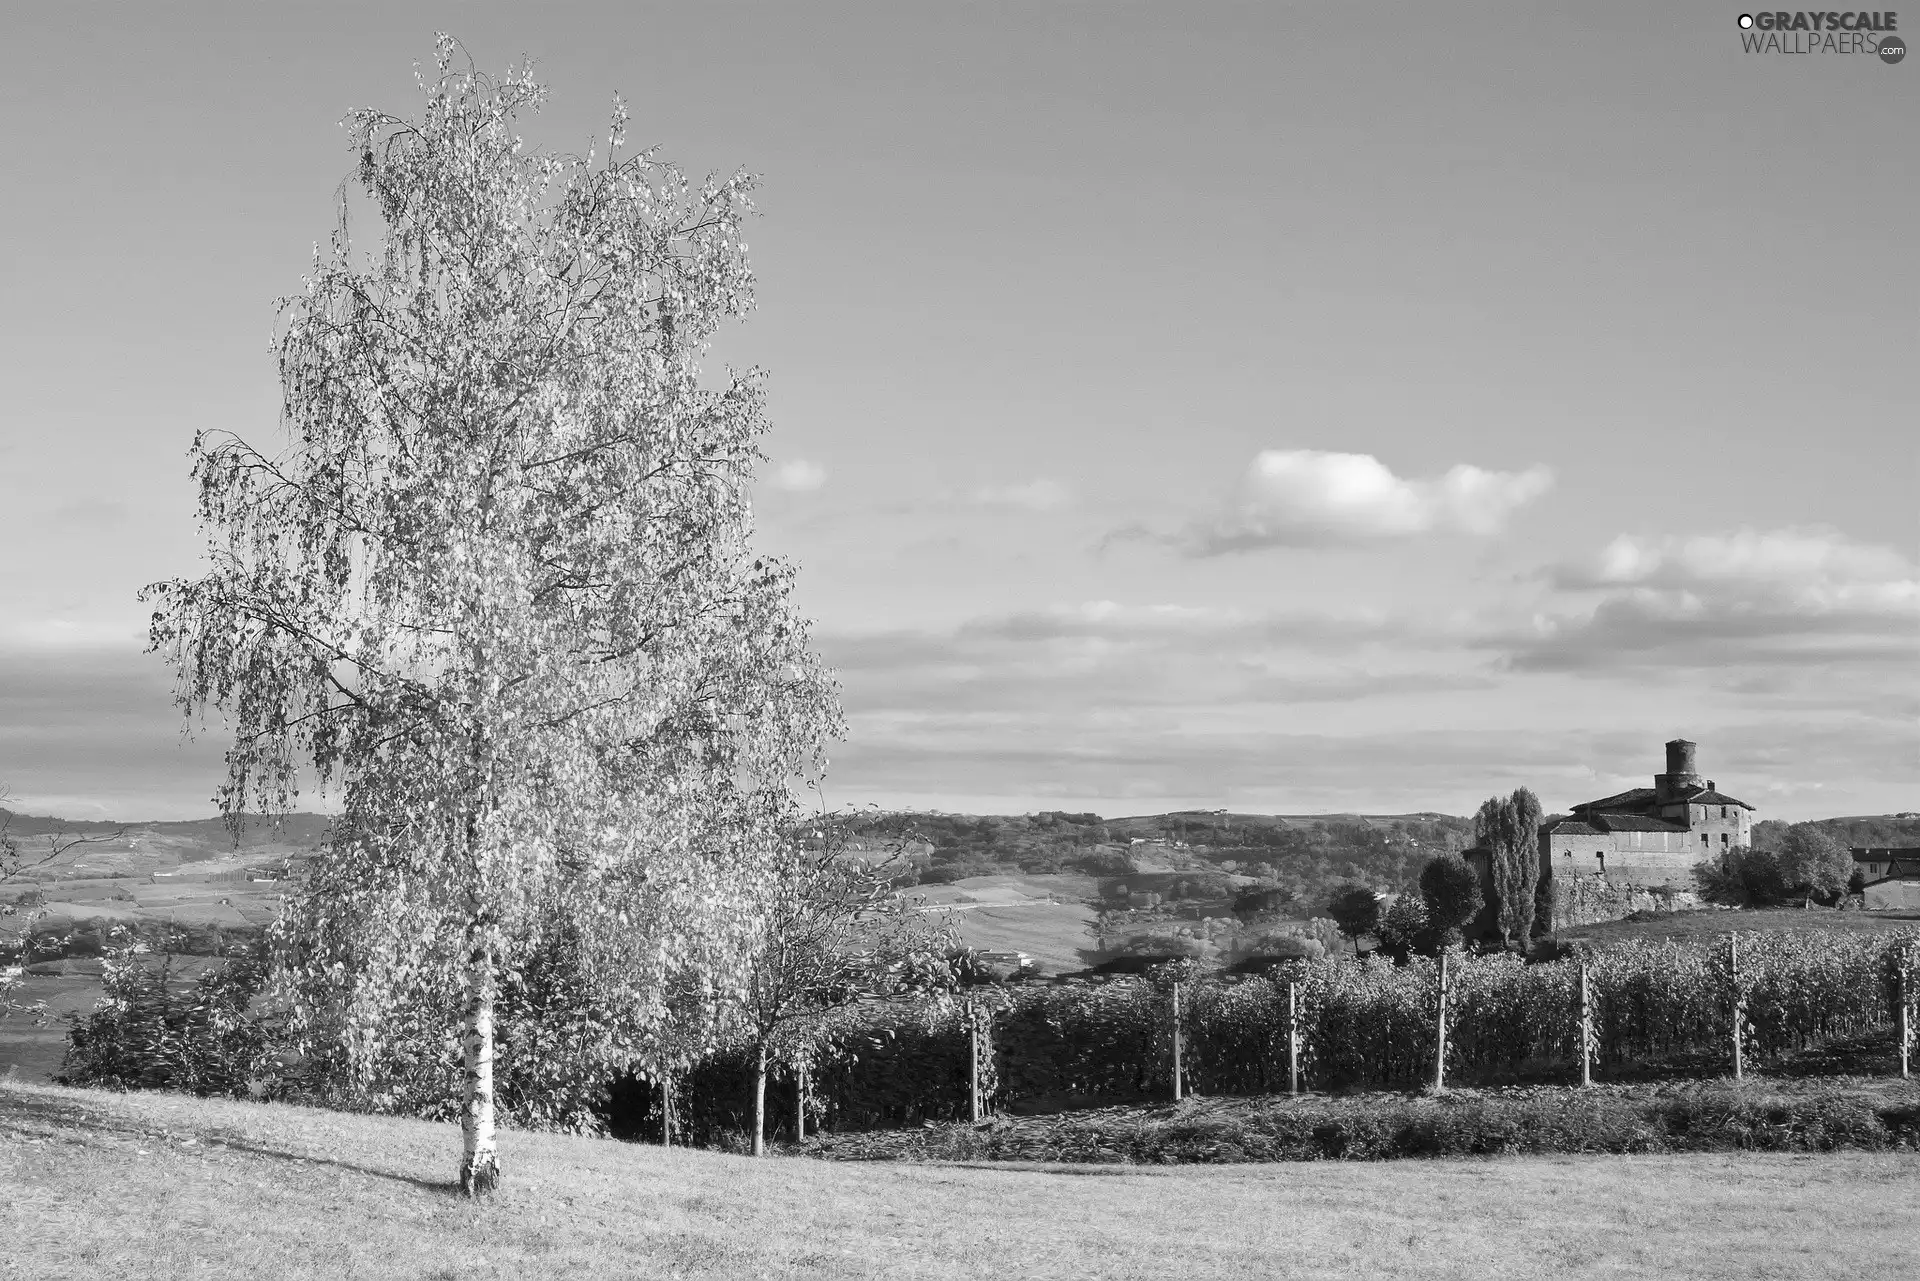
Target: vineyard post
1903, 973
1176, 1041
799, 1103
1586, 1028
973, 1063
1440, 1039
1739, 1002
1293, 1037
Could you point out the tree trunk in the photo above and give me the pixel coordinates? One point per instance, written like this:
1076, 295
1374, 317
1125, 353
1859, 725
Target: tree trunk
760, 1102
1440, 1030
666, 1111
479, 1162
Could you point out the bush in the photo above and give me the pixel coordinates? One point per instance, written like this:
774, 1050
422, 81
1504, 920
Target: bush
1372, 1128
148, 1034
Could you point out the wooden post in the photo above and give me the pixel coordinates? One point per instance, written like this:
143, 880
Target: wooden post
666, 1111
973, 1063
1586, 1029
1739, 1003
1440, 1038
1176, 1043
799, 1102
1293, 1038
1905, 991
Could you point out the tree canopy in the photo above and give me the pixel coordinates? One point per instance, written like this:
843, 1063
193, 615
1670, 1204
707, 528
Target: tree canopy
497, 587
1508, 828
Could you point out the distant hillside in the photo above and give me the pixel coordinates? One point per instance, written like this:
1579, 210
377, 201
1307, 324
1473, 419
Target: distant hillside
1881, 829
1308, 856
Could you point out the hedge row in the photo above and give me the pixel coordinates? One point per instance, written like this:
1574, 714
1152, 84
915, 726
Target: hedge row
1713, 1116
1363, 1025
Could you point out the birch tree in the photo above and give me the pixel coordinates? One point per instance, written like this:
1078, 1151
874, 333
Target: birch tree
497, 588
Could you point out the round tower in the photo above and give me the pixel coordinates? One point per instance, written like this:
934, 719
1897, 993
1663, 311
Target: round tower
1681, 776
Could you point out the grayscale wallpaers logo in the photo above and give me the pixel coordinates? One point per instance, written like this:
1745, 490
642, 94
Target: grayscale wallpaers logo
1853, 32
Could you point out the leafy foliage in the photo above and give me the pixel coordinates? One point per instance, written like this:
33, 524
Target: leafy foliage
1509, 829
1356, 910
145, 1033
498, 588
1368, 1024
1450, 891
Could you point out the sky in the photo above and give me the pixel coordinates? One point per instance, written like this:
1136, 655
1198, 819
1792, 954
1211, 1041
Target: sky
1283, 408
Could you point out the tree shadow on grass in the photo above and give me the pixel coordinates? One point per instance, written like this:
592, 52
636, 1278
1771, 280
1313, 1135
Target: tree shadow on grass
22, 1111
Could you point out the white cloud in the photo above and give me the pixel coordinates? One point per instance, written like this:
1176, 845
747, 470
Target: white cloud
1806, 598
799, 475
1309, 497
1034, 496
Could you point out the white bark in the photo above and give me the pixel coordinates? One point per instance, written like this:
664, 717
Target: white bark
479, 1162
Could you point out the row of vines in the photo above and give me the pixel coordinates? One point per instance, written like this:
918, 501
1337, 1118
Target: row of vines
1360, 1025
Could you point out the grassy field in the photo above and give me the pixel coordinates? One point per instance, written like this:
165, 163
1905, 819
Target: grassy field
135, 1186
1046, 916
1685, 927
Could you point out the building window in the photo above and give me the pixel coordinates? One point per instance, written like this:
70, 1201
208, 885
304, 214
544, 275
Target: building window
1723, 838
1703, 838
1723, 811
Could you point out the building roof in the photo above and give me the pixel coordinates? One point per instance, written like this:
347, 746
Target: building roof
1634, 823
1881, 853
1707, 796
1643, 800
1633, 798
1572, 827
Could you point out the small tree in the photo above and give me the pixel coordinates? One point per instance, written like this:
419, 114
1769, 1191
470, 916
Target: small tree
1405, 929
1451, 892
1813, 864
836, 931
1356, 910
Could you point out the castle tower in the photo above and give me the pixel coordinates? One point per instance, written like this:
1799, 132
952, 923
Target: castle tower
1681, 777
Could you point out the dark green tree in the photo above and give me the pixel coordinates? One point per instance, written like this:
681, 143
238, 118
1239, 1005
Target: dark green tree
1813, 864
1356, 910
1508, 827
1450, 891
1405, 928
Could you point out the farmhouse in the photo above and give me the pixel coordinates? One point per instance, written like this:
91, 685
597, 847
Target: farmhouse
1648, 836
1891, 875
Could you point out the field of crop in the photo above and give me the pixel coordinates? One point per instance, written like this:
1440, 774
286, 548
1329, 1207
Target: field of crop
1686, 927
155, 1185
1046, 916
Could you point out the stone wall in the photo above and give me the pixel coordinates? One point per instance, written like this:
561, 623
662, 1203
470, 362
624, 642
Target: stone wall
1588, 900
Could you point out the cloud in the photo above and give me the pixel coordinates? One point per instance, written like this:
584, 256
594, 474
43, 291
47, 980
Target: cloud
1309, 498
1100, 656
1791, 598
92, 731
799, 476
1034, 496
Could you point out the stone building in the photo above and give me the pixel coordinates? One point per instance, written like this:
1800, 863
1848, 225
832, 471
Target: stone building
1890, 876
1648, 836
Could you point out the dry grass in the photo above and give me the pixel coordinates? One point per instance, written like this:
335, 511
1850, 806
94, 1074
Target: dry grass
104, 1185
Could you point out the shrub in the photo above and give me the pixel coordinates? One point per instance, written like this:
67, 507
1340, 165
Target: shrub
146, 1033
